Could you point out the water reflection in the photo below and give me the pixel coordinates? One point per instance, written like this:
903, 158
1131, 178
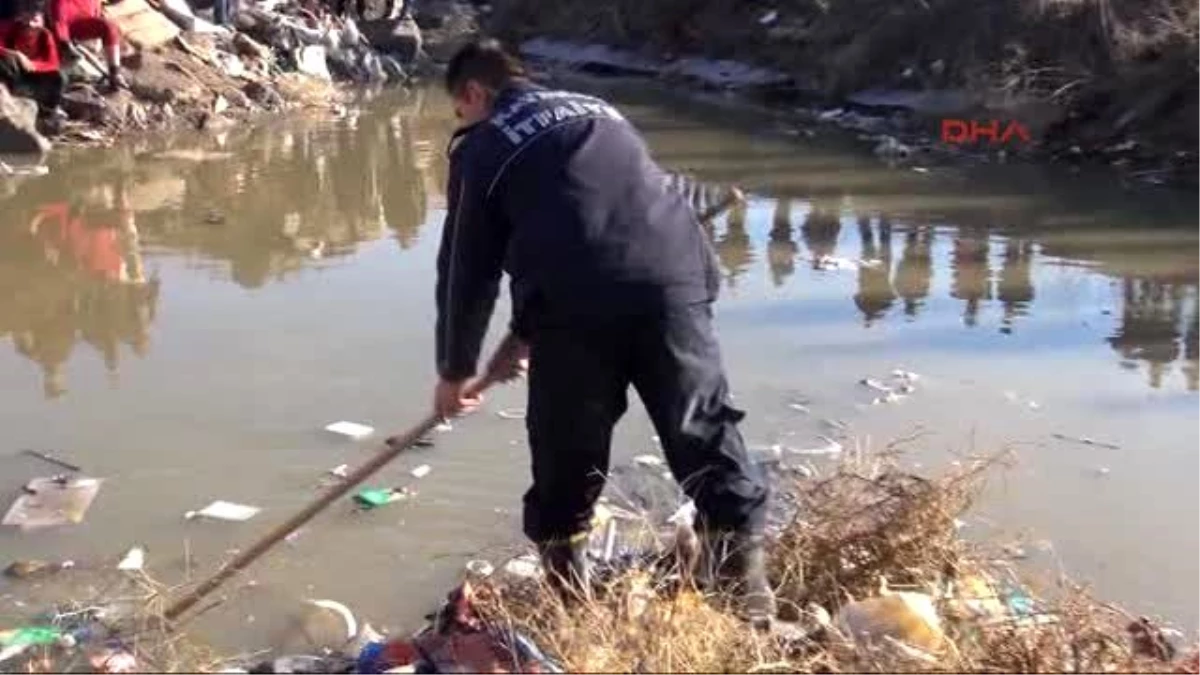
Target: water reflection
914, 272
72, 273
875, 294
308, 194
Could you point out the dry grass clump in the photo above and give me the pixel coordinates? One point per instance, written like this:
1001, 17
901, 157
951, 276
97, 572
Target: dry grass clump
631, 626
854, 527
860, 525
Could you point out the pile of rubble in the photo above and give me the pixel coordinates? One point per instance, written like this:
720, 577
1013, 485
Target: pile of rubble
183, 70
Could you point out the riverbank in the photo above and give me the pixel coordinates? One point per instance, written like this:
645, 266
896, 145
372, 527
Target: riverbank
1087, 83
871, 571
183, 72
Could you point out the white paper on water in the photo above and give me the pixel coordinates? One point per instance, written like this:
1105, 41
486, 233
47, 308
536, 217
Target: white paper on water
222, 510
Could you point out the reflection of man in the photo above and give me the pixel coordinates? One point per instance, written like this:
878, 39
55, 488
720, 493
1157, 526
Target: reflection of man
613, 282
821, 229
914, 272
971, 275
875, 295
1015, 285
782, 249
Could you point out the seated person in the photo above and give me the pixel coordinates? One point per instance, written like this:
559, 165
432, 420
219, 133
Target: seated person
73, 20
29, 62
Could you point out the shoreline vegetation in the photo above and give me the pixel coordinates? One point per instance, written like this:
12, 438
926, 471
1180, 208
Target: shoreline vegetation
1110, 83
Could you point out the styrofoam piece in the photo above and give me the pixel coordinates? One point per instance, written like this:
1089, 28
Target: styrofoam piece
350, 429
222, 510
421, 471
133, 560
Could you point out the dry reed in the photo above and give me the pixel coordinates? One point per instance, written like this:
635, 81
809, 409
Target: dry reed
866, 522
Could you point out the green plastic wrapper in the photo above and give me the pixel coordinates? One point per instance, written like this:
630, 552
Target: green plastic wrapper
30, 635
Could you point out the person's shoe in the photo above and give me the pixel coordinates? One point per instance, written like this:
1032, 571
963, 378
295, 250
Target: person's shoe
566, 565
737, 565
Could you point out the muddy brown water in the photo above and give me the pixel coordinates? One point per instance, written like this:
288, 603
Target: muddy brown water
182, 316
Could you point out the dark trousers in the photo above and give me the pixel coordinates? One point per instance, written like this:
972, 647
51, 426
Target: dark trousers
224, 11
45, 88
578, 379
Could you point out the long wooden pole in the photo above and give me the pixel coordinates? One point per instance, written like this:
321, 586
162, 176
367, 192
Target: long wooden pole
392, 448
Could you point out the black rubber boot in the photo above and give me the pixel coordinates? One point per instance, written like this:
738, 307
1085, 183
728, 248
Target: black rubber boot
737, 565
566, 565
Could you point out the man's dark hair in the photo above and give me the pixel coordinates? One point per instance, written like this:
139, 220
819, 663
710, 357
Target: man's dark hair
486, 62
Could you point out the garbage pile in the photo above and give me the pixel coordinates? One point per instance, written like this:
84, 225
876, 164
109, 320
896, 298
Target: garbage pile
871, 576
180, 69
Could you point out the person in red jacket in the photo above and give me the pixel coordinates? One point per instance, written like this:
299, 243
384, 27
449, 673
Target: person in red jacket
73, 20
29, 62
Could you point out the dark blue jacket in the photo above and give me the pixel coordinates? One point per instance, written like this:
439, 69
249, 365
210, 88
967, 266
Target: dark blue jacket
559, 190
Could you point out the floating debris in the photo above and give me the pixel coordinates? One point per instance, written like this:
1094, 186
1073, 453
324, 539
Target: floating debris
890, 397
768, 18
800, 407
1102, 471
57, 500
350, 429
32, 569
134, 560
421, 471
342, 611
514, 414
372, 498
1087, 441
339, 471
480, 568
222, 510
444, 427
875, 384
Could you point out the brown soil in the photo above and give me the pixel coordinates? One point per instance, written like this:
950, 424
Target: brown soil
181, 85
